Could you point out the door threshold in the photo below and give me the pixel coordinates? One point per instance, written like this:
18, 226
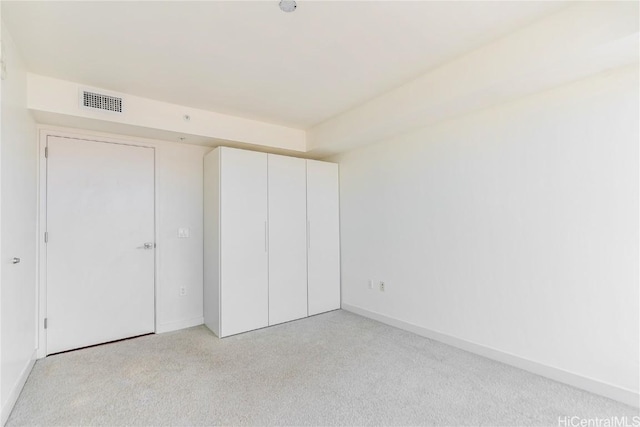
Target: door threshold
100, 344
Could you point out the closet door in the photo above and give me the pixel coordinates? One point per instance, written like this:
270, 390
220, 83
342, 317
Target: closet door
323, 237
243, 247
287, 239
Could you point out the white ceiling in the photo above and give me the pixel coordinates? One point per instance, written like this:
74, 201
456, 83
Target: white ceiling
248, 58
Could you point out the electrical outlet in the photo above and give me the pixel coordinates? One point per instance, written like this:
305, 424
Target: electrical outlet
381, 286
183, 291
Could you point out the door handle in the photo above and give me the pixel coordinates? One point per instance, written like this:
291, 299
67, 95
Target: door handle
15, 260
148, 245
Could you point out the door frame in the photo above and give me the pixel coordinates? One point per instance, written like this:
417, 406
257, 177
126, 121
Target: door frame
44, 132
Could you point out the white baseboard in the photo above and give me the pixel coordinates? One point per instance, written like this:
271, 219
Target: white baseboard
626, 396
180, 324
15, 391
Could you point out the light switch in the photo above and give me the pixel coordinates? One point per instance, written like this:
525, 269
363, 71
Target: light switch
183, 233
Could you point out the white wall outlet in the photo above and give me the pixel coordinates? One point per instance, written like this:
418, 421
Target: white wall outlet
183, 233
381, 286
183, 291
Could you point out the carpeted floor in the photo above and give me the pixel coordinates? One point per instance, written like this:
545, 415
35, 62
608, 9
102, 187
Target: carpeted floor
335, 368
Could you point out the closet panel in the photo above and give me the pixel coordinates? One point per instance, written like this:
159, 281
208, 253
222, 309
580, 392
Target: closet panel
323, 237
287, 239
211, 291
243, 245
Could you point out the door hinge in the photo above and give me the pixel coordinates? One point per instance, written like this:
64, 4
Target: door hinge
45, 323
46, 152
46, 237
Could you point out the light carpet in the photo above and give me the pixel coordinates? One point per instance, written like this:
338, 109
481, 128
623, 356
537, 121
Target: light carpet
333, 369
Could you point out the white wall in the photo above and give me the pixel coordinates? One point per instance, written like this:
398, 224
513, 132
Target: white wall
180, 261
515, 228
2, 410
579, 40
18, 146
49, 95
2, 406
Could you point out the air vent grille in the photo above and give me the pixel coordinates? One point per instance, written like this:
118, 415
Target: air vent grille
101, 102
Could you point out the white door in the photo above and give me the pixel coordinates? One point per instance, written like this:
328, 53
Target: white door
287, 239
100, 250
244, 289
324, 237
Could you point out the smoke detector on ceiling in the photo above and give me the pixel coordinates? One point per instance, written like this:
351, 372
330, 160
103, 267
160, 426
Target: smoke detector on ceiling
288, 5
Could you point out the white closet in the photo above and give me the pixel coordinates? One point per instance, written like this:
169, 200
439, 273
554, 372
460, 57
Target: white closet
236, 258
272, 251
287, 239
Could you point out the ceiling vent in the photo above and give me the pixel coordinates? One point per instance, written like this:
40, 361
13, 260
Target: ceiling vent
100, 101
